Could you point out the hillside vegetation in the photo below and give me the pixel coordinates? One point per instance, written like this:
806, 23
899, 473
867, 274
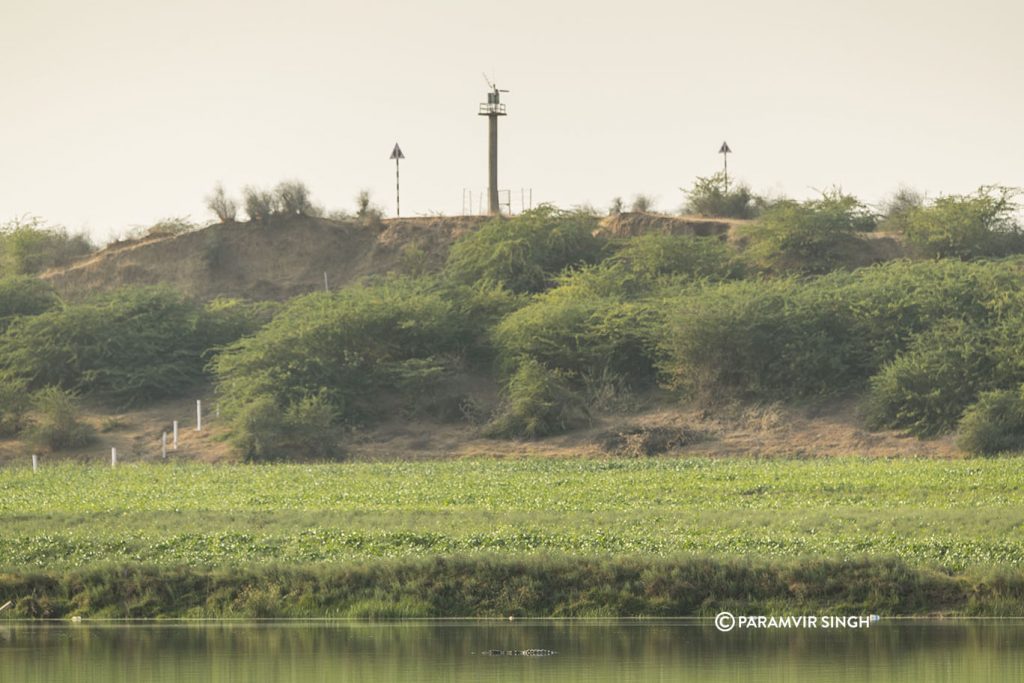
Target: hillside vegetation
643, 332
567, 316
28, 245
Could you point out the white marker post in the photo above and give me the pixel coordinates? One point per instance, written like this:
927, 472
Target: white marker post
113, 457
35, 462
175, 435
163, 446
199, 416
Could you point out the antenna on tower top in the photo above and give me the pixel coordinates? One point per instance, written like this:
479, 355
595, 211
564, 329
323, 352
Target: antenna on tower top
490, 84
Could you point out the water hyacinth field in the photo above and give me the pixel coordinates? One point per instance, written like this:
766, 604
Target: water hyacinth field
948, 515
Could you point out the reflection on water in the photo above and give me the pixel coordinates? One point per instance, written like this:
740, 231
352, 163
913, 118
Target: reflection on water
302, 652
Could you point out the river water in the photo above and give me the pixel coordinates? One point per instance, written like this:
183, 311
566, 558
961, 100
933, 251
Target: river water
591, 651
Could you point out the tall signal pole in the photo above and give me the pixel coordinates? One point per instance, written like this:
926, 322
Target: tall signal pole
492, 109
724, 151
397, 155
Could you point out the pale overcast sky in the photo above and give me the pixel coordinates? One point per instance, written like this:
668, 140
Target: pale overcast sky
119, 113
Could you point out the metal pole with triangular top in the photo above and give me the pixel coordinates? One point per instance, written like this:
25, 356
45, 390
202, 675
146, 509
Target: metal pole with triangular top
724, 151
397, 155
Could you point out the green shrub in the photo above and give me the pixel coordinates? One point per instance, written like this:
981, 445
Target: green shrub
897, 209
56, 425
479, 308
289, 198
293, 199
610, 279
524, 253
24, 295
414, 260
652, 255
29, 246
995, 424
222, 206
307, 427
814, 236
786, 337
171, 227
642, 203
130, 346
260, 205
926, 389
357, 349
538, 402
577, 332
14, 403
223, 320
760, 339
967, 226
893, 302
712, 197
366, 211
259, 428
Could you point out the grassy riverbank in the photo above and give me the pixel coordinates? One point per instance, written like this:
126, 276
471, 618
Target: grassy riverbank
654, 536
492, 586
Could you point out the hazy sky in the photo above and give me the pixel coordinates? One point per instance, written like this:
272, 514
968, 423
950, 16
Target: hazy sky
119, 113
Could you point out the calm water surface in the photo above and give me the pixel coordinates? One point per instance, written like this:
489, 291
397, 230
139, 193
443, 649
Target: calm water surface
306, 652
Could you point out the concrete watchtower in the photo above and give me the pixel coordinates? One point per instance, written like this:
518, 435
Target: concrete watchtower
492, 109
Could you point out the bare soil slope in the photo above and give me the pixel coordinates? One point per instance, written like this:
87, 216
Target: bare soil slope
285, 257
270, 260
773, 430
633, 223
765, 430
